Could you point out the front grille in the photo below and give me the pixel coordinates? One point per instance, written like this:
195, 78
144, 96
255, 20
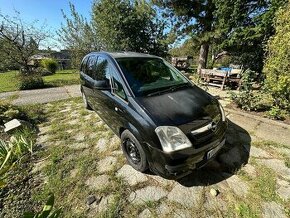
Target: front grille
201, 139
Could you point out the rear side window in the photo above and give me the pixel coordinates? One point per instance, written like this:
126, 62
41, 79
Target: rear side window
84, 65
90, 66
101, 69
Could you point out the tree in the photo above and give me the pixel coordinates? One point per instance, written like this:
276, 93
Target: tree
19, 40
115, 26
78, 35
133, 26
277, 64
234, 25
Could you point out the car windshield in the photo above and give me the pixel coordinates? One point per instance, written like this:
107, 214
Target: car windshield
150, 75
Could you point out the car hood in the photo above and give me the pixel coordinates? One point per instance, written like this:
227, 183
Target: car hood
180, 107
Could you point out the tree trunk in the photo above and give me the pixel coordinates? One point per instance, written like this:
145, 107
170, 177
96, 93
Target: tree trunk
203, 53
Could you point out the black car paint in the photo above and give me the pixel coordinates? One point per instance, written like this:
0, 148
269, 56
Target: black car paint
187, 108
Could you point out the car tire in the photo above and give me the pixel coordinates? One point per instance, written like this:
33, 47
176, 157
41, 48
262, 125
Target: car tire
133, 151
87, 106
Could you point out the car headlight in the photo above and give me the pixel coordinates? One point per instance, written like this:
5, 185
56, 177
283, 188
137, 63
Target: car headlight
172, 138
223, 113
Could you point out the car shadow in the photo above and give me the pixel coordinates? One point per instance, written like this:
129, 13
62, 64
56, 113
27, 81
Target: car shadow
230, 159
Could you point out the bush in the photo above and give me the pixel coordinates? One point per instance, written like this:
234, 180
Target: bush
276, 69
247, 99
276, 113
34, 81
49, 64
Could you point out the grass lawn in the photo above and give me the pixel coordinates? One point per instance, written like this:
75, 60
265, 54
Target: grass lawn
10, 82
61, 78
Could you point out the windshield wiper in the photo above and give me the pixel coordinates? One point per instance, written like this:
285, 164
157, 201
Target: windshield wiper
171, 88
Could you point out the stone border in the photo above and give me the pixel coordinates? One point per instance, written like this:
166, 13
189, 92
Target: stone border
261, 119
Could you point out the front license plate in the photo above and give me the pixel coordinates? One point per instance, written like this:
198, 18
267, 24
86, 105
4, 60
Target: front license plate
213, 151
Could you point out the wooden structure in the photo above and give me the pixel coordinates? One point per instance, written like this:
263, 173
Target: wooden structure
221, 78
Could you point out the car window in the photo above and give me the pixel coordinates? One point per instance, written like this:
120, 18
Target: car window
83, 65
148, 75
101, 70
90, 66
117, 85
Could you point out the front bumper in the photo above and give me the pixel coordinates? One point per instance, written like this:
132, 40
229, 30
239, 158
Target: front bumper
179, 164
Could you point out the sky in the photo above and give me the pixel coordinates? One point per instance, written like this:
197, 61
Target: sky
45, 11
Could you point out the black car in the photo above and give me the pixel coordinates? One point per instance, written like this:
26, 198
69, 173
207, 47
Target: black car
165, 122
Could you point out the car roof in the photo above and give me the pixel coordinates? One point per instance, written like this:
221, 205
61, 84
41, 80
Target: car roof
126, 54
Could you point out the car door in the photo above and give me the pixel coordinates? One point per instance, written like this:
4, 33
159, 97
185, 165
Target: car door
100, 96
111, 104
86, 75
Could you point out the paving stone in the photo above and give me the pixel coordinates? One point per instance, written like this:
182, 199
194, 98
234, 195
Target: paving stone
102, 145
259, 153
250, 170
37, 167
98, 183
283, 151
117, 153
272, 210
161, 181
79, 146
105, 203
74, 172
43, 130
73, 122
69, 131
215, 202
132, 176
42, 139
115, 140
278, 134
107, 164
182, 213
79, 137
283, 189
238, 186
186, 196
163, 209
149, 193
65, 110
278, 166
145, 214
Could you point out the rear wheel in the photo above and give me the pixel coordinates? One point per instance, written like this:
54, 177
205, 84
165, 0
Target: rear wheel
133, 151
87, 106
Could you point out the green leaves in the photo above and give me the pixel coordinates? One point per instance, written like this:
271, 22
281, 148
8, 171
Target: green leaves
277, 64
46, 211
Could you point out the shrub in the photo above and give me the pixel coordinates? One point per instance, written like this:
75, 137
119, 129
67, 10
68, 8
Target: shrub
247, 99
33, 81
276, 113
49, 64
277, 64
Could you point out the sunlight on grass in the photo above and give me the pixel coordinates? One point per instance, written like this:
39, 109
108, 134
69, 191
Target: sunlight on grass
61, 78
9, 81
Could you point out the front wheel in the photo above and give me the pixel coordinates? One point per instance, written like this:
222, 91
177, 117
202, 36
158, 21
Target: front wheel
133, 151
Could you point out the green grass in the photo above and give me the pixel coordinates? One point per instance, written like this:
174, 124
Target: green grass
61, 78
10, 82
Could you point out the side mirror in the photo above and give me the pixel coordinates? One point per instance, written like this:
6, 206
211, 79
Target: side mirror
102, 85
